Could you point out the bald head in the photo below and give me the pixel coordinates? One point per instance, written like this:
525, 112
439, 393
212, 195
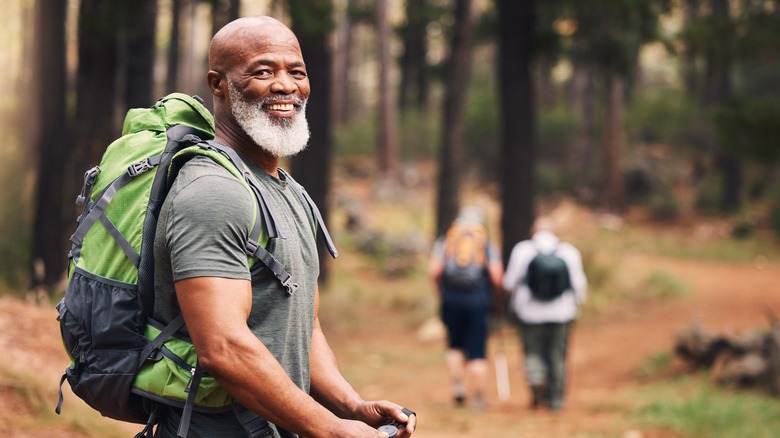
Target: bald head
230, 44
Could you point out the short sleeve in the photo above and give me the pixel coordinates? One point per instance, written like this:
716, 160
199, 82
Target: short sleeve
211, 213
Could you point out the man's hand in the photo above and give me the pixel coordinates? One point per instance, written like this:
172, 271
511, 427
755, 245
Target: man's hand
378, 413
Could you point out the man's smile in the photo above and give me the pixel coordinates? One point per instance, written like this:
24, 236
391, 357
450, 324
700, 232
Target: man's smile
280, 107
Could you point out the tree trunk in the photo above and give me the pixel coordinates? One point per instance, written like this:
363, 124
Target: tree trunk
388, 117
140, 31
312, 167
172, 75
691, 75
451, 164
581, 162
342, 47
518, 138
51, 143
414, 68
614, 138
96, 85
718, 91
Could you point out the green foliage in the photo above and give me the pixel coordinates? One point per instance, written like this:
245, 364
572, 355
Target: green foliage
420, 134
693, 408
655, 364
610, 32
661, 284
663, 205
556, 132
709, 197
356, 138
482, 130
667, 116
312, 18
774, 217
749, 127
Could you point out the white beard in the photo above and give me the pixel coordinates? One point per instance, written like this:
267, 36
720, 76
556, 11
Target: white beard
279, 137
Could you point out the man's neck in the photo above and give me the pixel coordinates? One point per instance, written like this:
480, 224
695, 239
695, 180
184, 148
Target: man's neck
243, 144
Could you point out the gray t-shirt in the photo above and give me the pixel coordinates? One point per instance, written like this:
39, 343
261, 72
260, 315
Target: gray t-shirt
202, 229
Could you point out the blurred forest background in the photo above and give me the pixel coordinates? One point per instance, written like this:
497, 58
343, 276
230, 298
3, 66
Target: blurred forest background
671, 105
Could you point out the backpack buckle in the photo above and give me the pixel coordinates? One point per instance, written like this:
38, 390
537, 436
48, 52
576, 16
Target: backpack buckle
289, 285
138, 168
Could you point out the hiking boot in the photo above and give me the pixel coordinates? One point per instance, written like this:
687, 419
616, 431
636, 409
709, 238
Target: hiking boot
537, 396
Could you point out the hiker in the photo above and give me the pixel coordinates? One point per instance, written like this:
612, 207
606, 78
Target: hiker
262, 343
466, 269
545, 297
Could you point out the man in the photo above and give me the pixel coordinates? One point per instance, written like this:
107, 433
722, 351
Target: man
466, 252
545, 323
262, 344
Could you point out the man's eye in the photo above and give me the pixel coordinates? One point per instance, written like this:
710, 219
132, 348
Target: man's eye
298, 74
264, 73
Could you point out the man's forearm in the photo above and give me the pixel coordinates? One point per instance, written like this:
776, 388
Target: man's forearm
328, 385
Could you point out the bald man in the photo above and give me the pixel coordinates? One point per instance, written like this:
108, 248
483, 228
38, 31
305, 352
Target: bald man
262, 344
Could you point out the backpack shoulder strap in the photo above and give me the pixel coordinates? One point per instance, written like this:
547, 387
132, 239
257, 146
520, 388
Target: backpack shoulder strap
265, 226
315, 211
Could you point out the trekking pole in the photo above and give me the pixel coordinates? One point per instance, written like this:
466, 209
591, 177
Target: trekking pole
502, 368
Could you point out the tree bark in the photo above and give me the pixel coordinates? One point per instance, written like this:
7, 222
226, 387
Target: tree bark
172, 75
719, 88
140, 31
581, 162
388, 117
518, 137
614, 138
342, 47
96, 85
452, 149
312, 167
414, 68
51, 143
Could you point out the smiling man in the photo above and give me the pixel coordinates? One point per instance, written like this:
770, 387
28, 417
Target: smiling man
263, 344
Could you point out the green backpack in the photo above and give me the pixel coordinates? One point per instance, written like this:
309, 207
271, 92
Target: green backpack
122, 362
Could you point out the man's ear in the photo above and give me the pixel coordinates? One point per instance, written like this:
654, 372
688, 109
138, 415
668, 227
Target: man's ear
215, 81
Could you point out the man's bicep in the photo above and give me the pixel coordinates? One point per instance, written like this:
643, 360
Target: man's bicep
212, 306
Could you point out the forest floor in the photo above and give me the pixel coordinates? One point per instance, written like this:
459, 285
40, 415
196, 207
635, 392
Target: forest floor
383, 352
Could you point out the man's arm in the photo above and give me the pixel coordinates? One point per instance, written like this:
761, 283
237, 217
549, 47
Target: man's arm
215, 311
329, 387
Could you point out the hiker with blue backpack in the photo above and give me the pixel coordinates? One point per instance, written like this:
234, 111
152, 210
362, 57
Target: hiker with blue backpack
466, 269
192, 303
547, 285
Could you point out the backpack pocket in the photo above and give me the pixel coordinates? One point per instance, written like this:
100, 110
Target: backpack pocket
100, 324
166, 376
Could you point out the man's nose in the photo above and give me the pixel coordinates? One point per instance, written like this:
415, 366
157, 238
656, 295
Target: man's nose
284, 83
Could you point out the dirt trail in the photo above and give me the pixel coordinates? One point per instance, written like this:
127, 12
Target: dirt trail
606, 351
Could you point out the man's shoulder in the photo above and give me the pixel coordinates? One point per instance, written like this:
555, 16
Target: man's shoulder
202, 180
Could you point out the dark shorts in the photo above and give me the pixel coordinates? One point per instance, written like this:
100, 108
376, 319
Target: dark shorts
467, 329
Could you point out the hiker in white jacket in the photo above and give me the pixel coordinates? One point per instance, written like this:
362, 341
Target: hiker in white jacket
544, 325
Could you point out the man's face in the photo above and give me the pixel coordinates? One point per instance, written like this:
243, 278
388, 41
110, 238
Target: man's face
268, 96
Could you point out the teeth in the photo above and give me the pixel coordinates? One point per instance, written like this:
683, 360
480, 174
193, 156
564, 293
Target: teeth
281, 107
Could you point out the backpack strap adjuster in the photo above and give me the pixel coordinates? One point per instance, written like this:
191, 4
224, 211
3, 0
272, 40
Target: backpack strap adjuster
138, 168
